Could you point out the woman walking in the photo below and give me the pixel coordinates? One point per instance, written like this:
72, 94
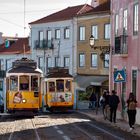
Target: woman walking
131, 104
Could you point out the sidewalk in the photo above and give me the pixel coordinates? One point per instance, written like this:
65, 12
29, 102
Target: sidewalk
122, 124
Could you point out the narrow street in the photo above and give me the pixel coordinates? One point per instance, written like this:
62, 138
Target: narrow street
58, 126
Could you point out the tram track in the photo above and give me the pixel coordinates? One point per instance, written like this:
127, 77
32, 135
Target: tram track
21, 128
37, 135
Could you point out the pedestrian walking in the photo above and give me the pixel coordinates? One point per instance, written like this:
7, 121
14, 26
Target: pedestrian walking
102, 101
131, 110
106, 104
92, 100
113, 103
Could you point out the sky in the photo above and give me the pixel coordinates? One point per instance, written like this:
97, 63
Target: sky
13, 19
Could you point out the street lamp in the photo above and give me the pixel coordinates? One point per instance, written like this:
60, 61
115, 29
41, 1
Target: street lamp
92, 41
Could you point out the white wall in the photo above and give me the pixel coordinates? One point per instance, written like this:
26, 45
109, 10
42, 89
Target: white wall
67, 46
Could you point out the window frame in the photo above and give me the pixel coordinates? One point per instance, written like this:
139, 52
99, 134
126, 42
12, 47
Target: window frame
67, 33
94, 31
125, 19
82, 33
57, 33
66, 62
107, 31
106, 60
92, 60
82, 64
135, 18
116, 24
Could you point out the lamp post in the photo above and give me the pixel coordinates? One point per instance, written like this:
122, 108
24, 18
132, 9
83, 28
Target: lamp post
91, 41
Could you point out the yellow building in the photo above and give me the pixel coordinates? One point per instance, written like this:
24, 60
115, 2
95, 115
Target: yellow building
93, 61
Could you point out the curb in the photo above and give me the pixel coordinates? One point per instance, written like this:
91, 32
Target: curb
100, 119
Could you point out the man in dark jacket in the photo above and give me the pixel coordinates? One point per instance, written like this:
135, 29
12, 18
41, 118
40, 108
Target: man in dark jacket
92, 100
113, 103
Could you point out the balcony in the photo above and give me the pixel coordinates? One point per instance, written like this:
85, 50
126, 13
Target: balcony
121, 46
2, 73
43, 44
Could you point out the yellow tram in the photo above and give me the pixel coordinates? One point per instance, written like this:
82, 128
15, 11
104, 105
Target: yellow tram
23, 86
58, 89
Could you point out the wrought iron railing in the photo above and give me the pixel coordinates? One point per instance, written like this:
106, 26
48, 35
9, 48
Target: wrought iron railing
43, 44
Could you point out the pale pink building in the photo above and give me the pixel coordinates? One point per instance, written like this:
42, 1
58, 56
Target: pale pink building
125, 54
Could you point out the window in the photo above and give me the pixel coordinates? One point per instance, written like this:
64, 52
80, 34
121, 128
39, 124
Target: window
57, 34
107, 31
135, 20
40, 63
66, 33
115, 84
1, 85
49, 62
116, 24
1, 64
68, 85
82, 33
8, 64
49, 35
66, 61
57, 61
34, 83
125, 20
106, 61
81, 60
14, 83
24, 82
60, 85
93, 60
134, 81
51, 86
41, 37
95, 31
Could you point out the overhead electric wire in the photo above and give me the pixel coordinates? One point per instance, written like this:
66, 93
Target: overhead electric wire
5, 20
27, 12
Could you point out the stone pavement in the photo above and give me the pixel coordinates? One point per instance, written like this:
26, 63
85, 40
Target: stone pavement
122, 124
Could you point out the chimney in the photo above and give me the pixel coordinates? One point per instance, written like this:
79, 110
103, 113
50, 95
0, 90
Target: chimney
95, 3
1, 39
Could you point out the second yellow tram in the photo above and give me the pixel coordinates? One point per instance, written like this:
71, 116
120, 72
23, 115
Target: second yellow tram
58, 89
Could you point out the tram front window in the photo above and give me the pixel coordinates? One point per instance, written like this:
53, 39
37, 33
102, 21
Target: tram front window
68, 85
14, 83
24, 82
60, 85
34, 83
51, 86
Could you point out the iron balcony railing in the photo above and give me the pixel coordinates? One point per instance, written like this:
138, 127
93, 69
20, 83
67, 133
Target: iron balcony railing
43, 44
121, 46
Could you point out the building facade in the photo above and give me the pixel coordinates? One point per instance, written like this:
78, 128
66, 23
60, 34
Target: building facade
93, 61
53, 39
125, 40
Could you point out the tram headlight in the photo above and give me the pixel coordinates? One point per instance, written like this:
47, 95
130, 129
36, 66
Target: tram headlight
23, 100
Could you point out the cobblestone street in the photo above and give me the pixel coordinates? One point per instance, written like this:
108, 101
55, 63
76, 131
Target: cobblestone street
59, 126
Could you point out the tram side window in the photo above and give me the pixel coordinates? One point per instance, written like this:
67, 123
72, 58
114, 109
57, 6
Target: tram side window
51, 86
60, 85
14, 83
24, 82
68, 85
34, 83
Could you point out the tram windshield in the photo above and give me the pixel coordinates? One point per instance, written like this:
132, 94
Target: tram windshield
34, 83
24, 82
51, 86
14, 83
68, 85
60, 85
